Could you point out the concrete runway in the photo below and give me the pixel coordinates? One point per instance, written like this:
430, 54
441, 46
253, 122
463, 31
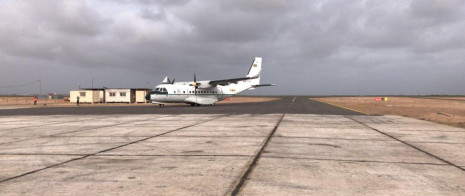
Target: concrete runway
299, 105
300, 147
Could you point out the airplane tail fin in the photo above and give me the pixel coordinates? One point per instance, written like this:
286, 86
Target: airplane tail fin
255, 70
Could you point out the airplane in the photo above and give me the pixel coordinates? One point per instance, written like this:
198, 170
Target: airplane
207, 92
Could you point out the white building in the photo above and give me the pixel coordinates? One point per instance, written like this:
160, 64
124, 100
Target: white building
113, 95
119, 95
87, 96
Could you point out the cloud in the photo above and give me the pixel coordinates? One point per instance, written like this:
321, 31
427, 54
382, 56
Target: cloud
309, 47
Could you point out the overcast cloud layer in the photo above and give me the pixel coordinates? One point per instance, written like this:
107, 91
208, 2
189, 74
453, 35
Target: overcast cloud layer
308, 47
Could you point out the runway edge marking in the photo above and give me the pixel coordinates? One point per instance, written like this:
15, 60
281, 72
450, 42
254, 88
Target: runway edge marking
340, 106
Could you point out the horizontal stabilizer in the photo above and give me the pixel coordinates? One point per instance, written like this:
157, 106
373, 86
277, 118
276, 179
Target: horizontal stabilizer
260, 85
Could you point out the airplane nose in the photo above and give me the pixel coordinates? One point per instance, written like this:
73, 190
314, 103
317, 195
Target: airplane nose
147, 97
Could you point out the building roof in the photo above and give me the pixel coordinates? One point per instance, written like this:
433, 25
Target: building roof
92, 89
102, 89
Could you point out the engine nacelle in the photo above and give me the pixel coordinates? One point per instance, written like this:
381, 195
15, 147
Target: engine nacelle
204, 85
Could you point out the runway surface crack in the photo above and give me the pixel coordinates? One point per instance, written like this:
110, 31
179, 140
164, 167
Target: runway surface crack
409, 144
108, 149
239, 183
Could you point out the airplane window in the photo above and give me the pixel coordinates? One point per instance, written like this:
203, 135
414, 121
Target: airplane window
183, 92
164, 90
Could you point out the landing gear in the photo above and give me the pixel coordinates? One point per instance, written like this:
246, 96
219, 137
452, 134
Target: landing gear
161, 105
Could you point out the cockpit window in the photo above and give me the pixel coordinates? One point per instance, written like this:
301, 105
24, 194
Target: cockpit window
159, 90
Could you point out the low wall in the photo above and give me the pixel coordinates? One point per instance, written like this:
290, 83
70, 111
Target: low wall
27, 100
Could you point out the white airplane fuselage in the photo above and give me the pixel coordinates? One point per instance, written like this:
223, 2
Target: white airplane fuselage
176, 93
206, 92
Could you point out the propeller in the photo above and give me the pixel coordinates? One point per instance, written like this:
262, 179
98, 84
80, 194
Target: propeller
172, 82
195, 85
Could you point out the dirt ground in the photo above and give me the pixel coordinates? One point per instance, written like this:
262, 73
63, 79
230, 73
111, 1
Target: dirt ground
444, 110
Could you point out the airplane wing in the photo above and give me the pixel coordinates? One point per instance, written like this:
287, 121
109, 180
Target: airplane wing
228, 81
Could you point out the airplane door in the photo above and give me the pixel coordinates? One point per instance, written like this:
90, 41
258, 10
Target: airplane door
220, 93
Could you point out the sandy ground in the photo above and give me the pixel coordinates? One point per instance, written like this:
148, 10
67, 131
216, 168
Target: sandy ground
444, 110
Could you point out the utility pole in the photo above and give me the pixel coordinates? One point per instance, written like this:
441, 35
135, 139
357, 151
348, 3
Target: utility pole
40, 87
92, 82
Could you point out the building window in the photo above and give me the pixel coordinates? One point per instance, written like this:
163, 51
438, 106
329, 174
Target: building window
82, 94
122, 94
112, 94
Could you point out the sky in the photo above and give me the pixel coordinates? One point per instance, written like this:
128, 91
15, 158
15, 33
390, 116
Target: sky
327, 47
